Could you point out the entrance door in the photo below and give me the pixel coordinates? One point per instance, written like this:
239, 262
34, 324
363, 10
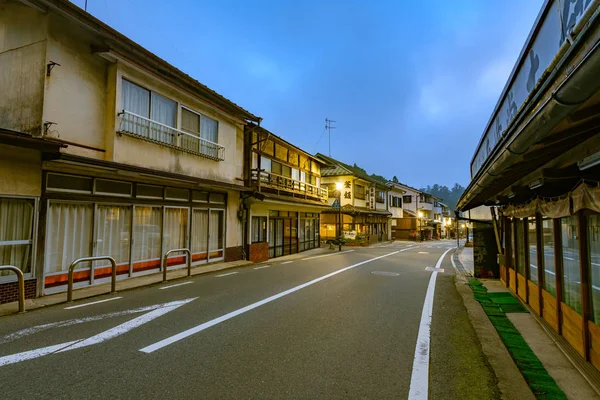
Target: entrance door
216, 235
175, 231
112, 238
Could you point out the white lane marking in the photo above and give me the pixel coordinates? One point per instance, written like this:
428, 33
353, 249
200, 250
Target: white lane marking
264, 266
175, 338
70, 322
227, 274
385, 273
93, 302
423, 252
99, 338
419, 381
327, 255
175, 285
432, 269
29, 355
287, 262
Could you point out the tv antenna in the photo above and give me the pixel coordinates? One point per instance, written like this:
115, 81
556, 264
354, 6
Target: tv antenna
329, 128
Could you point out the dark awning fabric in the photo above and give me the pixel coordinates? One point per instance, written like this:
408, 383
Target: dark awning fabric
583, 197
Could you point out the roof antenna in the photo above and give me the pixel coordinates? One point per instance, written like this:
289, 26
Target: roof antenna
329, 128
85, 9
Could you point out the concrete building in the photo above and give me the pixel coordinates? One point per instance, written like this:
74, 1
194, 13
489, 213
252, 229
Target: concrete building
287, 198
108, 150
395, 195
364, 206
534, 196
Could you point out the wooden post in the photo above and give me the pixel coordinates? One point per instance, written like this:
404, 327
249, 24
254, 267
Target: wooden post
508, 249
526, 256
584, 262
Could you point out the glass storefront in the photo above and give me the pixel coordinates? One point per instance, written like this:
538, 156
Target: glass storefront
570, 260
548, 249
531, 248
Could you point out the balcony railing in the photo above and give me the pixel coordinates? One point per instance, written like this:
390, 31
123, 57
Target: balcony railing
147, 129
282, 183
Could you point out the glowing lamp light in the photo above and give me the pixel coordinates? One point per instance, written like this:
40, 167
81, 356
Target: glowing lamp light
339, 185
420, 214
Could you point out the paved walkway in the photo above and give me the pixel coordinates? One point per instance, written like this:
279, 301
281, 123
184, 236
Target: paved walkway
566, 375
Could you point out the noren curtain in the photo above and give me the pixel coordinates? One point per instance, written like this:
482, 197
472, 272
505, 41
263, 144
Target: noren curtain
16, 225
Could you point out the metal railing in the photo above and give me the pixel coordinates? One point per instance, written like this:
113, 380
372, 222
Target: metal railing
21, 284
144, 128
288, 184
189, 261
113, 283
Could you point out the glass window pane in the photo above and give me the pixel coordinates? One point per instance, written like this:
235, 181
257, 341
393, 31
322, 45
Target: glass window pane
594, 254
201, 197
199, 237
70, 183
519, 247
217, 227
69, 235
190, 122
276, 168
549, 269
163, 110
218, 198
135, 99
177, 194
209, 129
146, 244
149, 191
531, 240
112, 235
118, 188
16, 230
175, 229
570, 253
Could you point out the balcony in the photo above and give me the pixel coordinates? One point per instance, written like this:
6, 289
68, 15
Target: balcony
284, 185
146, 129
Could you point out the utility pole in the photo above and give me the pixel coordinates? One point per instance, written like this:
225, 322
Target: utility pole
329, 128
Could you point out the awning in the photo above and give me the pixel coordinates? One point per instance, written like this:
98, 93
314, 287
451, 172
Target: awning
19, 139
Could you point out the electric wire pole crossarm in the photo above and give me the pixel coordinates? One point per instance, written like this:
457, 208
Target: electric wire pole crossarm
329, 128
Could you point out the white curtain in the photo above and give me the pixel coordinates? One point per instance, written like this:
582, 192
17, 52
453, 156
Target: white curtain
135, 99
175, 228
16, 223
216, 230
209, 129
112, 234
69, 235
199, 237
163, 110
147, 234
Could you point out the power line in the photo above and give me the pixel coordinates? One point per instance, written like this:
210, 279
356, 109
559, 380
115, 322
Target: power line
329, 128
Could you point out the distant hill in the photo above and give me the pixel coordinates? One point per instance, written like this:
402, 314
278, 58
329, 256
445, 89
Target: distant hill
448, 196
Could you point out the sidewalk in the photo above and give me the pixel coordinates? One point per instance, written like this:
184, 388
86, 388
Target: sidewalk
566, 375
146, 280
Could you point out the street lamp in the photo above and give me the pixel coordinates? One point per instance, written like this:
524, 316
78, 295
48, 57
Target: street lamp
338, 193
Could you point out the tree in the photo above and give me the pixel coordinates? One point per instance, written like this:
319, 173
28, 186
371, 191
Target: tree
449, 197
395, 179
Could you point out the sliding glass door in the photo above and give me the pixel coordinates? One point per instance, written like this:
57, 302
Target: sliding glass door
112, 238
199, 238
146, 244
216, 235
175, 231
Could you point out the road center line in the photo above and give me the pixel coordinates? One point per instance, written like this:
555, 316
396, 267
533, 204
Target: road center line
287, 262
199, 328
227, 274
264, 266
419, 381
327, 255
93, 302
175, 285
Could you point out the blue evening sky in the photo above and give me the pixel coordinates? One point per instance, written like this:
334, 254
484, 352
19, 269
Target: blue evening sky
411, 84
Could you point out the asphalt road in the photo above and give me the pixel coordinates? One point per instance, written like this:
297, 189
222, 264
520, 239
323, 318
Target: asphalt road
340, 326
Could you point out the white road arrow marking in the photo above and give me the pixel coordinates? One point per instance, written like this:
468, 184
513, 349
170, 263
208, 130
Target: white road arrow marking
99, 338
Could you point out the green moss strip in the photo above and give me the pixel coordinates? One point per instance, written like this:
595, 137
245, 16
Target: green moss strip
496, 306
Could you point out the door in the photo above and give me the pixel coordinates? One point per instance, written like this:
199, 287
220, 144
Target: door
112, 239
146, 241
175, 233
199, 237
216, 235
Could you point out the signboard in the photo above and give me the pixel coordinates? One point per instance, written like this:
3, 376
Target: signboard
371, 202
336, 204
560, 17
350, 235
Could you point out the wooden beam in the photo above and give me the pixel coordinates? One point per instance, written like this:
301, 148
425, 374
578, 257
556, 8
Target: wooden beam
584, 262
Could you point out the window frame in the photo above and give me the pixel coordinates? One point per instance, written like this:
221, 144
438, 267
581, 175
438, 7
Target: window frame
32, 241
200, 115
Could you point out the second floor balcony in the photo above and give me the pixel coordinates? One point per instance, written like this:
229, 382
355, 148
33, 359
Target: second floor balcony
288, 186
146, 129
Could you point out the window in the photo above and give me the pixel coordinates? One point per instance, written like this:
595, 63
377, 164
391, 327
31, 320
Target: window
113, 188
519, 247
276, 167
359, 192
69, 183
200, 197
177, 194
259, 229
396, 201
199, 125
295, 174
532, 249
163, 110
570, 258
594, 256
286, 171
217, 198
407, 199
148, 104
265, 163
16, 233
548, 249
149, 191
380, 197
